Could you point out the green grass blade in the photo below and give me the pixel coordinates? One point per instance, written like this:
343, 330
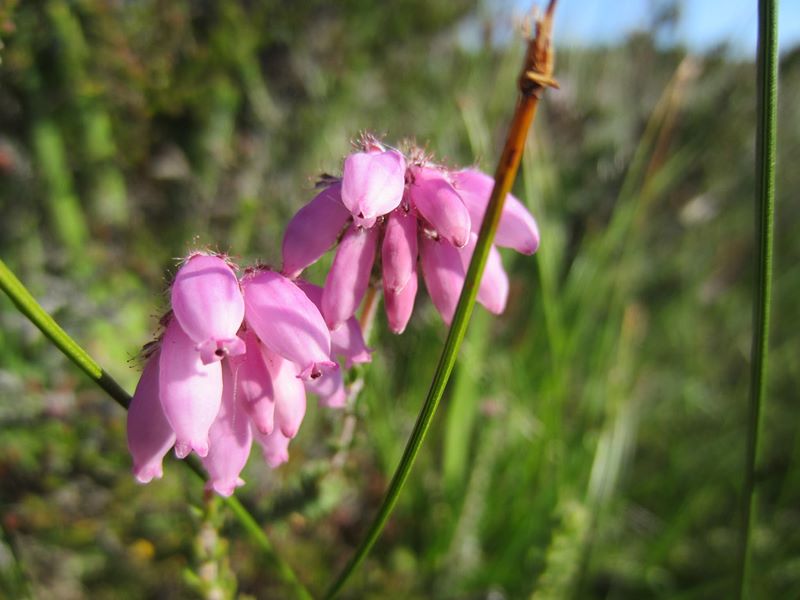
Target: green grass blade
766, 134
29, 307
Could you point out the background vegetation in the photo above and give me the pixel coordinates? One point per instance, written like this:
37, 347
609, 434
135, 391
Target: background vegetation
592, 441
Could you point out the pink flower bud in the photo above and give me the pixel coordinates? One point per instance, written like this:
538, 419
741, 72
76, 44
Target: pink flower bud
230, 439
399, 305
254, 384
330, 389
190, 391
373, 182
313, 230
493, 291
287, 322
208, 304
440, 205
517, 228
399, 250
290, 395
274, 447
444, 275
149, 435
348, 278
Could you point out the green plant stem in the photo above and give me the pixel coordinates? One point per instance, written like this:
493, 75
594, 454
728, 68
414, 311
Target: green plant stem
536, 75
766, 134
29, 307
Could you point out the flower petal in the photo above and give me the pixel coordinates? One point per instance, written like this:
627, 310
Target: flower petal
149, 435
439, 204
190, 391
348, 278
254, 384
399, 249
346, 341
313, 230
208, 304
230, 440
373, 182
287, 322
444, 275
274, 447
399, 305
330, 389
517, 228
290, 395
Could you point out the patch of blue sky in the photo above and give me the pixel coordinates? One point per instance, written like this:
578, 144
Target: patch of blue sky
701, 26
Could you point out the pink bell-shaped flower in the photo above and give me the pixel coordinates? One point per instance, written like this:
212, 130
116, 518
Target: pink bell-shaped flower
287, 322
399, 249
373, 182
517, 228
274, 447
290, 395
348, 278
348, 342
208, 304
330, 389
190, 391
400, 305
149, 435
230, 440
444, 275
437, 201
313, 230
254, 384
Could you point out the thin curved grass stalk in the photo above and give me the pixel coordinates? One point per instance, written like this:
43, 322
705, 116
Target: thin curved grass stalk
29, 307
766, 135
535, 78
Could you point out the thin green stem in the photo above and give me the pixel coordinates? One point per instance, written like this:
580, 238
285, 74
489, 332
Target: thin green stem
766, 135
29, 307
536, 75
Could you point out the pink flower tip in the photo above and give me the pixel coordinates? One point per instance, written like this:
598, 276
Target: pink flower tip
225, 488
275, 458
262, 427
315, 370
363, 357
183, 449
215, 350
146, 473
289, 430
336, 401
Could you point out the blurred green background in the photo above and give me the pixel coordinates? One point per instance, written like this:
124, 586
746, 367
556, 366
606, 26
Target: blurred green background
591, 443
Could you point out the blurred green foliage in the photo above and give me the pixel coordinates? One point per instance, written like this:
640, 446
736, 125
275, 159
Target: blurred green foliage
592, 442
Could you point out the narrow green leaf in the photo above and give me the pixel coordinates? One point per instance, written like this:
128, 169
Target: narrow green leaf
766, 135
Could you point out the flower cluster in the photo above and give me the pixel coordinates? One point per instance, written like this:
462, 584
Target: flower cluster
233, 364
237, 355
414, 211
